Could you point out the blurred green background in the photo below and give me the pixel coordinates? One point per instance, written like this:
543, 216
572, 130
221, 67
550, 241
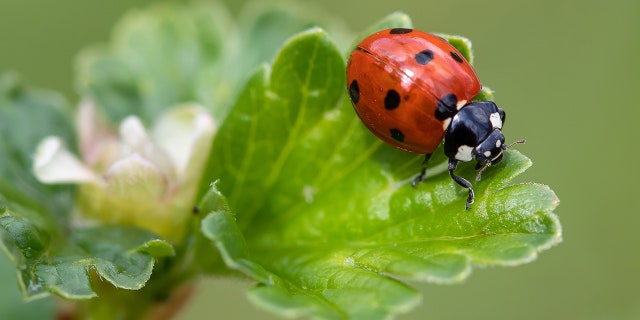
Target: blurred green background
566, 71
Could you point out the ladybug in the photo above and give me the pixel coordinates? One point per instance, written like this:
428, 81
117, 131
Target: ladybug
412, 89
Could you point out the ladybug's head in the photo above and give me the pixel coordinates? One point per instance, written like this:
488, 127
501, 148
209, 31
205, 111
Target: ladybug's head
491, 150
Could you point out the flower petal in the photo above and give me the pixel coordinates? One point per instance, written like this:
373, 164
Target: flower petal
183, 133
133, 134
136, 140
53, 163
98, 142
136, 178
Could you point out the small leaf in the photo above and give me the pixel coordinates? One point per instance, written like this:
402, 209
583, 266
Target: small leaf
462, 44
25, 245
123, 256
220, 227
485, 94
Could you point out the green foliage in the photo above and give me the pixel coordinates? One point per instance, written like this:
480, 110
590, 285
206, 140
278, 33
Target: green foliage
49, 263
32, 215
172, 53
306, 201
26, 117
462, 44
328, 211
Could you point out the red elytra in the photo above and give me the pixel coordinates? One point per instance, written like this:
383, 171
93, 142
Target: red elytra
397, 77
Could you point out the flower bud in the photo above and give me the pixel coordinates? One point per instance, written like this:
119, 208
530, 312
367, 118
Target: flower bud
132, 176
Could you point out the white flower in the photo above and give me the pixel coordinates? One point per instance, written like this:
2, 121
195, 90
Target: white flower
132, 176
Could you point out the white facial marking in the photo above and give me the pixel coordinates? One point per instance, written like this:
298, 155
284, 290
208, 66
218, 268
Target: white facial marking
464, 153
461, 104
498, 143
487, 153
496, 122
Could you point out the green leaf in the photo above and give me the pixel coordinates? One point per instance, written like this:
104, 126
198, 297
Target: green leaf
124, 257
46, 262
32, 214
281, 296
462, 44
485, 94
220, 226
306, 81
158, 57
170, 53
27, 116
325, 216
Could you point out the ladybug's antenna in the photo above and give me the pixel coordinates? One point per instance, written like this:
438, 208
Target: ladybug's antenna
521, 141
479, 175
488, 163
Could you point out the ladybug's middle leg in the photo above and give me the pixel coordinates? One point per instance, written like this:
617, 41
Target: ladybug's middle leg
420, 177
453, 164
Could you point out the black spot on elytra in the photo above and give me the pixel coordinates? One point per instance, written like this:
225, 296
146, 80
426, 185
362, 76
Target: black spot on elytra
446, 107
397, 135
391, 100
400, 30
456, 57
354, 91
423, 57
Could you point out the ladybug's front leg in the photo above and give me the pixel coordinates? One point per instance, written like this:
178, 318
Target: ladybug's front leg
453, 164
420, 177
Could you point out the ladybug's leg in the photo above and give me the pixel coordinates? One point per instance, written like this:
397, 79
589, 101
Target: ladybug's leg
453, 164
420, 177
